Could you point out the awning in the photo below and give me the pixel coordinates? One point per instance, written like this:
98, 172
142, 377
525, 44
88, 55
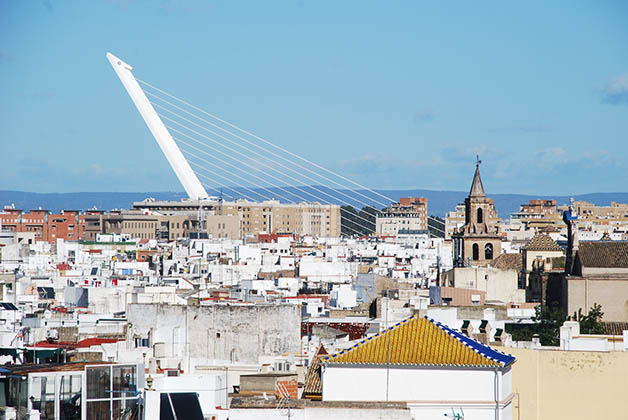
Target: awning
8, 352
43, 352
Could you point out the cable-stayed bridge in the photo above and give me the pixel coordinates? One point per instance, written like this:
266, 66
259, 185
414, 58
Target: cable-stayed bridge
211, 155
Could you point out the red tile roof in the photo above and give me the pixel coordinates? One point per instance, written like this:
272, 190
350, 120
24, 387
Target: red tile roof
604, 254
508, 262
542, 242
313, 387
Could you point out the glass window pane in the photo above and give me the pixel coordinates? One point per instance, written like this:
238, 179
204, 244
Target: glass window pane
18, 395
98, 410
124, 380
98, 382
125, 409
42, 396
70, 397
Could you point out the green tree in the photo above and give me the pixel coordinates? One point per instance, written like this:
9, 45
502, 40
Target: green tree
590, 323
548, 322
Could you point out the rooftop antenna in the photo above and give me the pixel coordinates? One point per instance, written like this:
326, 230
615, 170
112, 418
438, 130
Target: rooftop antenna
478, 162
179, 164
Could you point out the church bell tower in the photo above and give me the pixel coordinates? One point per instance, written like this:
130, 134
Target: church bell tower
478, 242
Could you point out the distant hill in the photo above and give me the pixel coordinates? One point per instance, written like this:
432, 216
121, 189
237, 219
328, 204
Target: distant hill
440, 202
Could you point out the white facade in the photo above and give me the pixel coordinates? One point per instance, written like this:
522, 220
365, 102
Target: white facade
391, 224
431, 393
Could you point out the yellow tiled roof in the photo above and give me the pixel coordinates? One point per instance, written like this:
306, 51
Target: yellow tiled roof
421, 341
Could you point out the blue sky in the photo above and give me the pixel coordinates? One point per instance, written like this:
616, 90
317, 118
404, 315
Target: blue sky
391, 94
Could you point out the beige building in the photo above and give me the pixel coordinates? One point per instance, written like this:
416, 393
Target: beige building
152, 225
454, 220
539, 255
600, 275
479, 241
575, 385
591, 211
135, 223
388, 223
409, 214
538, 215
237, 219
499, 285
222, 226
593, 221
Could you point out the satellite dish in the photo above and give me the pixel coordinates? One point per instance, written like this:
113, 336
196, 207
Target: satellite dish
47, 314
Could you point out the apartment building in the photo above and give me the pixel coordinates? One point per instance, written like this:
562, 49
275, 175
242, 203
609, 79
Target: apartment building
538, 214
599, 222
589, 211
252, 217
46, 226
134, 223
455, 219
410, 213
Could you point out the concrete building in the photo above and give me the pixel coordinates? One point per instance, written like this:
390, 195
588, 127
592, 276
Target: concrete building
538, 214
184, 336
136, 224
618, 211
454, 220
46, 226
599, 275
409, 214
258, 217
499, 285
540, 256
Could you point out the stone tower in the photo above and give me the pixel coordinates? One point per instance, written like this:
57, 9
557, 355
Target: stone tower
479, 240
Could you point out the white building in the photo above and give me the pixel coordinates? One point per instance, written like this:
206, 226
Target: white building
391, 223
437, 371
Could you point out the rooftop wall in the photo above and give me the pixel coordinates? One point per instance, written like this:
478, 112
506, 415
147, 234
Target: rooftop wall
219, 332
553, 384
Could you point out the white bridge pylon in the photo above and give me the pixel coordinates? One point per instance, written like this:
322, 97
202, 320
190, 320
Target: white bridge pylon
236, 160
177, 161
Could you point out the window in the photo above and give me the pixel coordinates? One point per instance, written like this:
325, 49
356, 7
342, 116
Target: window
98, 382
43, 396
70, 397
488, 252
476, 252
480, 216
124, 380
111, 392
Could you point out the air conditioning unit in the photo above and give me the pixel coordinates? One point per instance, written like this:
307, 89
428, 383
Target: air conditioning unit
159, 350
